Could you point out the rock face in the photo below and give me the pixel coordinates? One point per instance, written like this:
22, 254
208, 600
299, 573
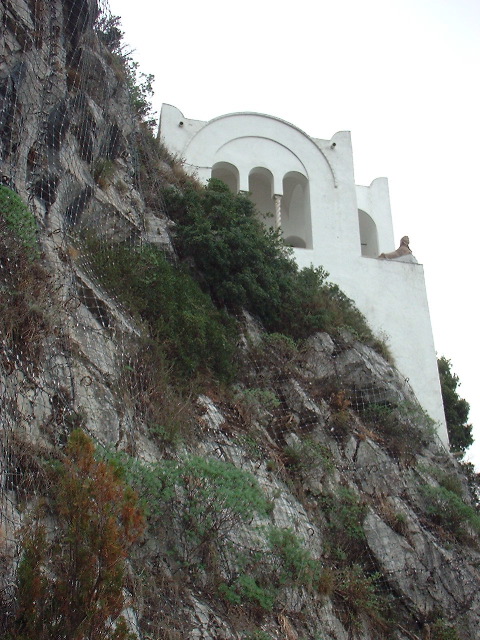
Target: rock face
352, 521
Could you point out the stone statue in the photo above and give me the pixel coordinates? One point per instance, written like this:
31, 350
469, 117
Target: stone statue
403, 250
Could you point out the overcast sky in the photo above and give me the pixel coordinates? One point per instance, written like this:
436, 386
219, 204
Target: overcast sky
402, 76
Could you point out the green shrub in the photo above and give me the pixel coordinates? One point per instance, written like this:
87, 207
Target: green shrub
19, 220
256, 404
448, 481
103, 170
246, 266
217, 495
297, 567
245, 589
448, 510
260, 576
26, 293
263, 397
345, 514
456, 408
195, 336
207, 496
309, 454
243, 264
257, 635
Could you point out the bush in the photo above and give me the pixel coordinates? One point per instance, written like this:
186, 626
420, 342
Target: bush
246, 589
140, 89
103, 170
449, 481
206, 496
25, 290
257, 635
447, 509
297, 567
19, 220
243, 264
307, 455
166, 409
246, 266
195, 336
217, 496
456, 408
70, 580
345, 514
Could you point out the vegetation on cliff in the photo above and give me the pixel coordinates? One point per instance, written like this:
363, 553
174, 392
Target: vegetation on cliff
70, 580
456, 408
258, 478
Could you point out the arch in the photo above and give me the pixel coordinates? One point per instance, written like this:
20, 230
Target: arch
228, 173
368, 235
295, 241
252, 124
260, 186
296, 215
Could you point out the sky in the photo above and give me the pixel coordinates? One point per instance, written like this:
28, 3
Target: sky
402, 76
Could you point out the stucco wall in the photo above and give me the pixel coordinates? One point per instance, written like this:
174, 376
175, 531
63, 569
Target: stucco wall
390, 294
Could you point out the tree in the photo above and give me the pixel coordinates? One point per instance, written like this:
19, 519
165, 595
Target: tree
456, 408
70, 578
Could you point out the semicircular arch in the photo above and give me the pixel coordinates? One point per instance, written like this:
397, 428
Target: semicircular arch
227, 173
206, 142
296, 210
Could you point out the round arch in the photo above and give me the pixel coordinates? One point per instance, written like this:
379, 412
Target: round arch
260, 186
295, 241
368, 235
206, 145
296, 215
227, 173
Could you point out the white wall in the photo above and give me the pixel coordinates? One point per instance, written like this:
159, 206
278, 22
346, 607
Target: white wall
393, 298
390, 294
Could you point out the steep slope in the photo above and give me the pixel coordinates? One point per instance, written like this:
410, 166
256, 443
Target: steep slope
308, 499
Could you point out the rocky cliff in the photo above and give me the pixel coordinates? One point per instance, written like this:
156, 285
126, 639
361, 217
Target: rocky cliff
306, 499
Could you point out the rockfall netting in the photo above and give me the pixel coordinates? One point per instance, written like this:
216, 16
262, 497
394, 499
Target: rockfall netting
70, 143
81, 180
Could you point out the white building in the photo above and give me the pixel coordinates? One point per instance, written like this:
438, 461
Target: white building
307, 186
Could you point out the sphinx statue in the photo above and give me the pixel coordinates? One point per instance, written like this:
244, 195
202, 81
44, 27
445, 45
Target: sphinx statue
403, 250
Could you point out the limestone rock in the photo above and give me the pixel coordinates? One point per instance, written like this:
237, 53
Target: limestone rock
68, 146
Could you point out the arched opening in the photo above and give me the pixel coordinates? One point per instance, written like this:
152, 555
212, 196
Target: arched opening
295, 241
368, 235
296, 217
260, 186
227, 173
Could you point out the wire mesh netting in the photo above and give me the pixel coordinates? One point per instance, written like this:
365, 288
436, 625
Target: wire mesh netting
81, 186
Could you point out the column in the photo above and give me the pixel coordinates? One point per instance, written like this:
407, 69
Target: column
278, 210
